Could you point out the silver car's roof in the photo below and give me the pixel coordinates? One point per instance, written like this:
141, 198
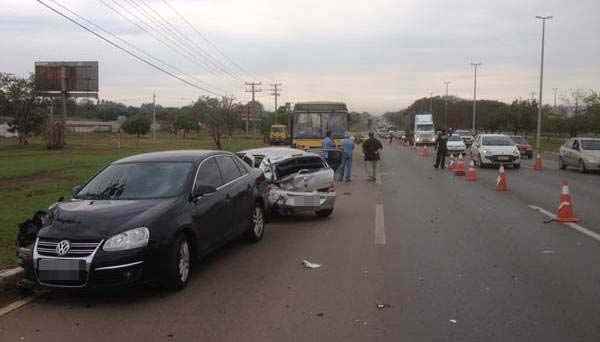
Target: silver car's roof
276, 154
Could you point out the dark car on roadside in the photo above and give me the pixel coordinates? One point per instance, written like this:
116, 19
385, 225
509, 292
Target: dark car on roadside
523, 145
147, 217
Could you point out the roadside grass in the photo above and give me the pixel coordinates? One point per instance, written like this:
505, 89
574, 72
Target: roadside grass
32, 177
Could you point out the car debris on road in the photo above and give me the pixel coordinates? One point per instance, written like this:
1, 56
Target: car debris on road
310, 265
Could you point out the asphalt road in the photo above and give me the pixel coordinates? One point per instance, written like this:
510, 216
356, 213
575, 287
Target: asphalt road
419, 256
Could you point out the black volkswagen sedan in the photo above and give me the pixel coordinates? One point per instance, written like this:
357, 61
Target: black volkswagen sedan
146, 218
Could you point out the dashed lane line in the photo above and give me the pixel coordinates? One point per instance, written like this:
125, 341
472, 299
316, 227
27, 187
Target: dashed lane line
575, 226
379, 225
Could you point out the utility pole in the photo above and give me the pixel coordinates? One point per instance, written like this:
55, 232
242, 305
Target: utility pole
446, 105
252, 90
475, 66
431, 102
539, 122
555, 91
154, 116
275, 93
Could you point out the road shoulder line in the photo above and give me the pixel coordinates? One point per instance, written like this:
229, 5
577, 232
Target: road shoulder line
572, 225
379, 225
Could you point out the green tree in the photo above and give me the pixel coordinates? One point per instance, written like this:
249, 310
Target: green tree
138, 124
185, 122
18, 101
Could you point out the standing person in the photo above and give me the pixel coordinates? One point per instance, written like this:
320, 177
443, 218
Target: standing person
391, 138
329, 151
371, 148
441, 148
347, 150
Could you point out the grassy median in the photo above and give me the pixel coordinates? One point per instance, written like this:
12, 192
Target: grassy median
32, 177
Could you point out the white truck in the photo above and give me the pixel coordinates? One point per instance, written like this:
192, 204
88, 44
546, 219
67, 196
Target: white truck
424, 133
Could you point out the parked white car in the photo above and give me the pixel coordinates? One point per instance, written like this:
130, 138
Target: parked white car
456, 145
299, 181
495, 150
583, 153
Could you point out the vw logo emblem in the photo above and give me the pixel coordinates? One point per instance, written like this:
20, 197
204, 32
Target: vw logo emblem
63, 247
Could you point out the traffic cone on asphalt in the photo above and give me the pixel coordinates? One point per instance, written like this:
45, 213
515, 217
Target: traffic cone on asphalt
538, 166
471, 173
451, 163
501, 182
459, 170
565, 208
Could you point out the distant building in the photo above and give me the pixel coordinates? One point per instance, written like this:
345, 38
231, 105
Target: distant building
82, 126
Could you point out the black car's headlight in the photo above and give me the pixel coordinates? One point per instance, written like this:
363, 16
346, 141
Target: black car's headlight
133, 238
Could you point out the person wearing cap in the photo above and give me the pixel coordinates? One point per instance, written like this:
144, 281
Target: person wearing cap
441, 148
371, 148
345, 173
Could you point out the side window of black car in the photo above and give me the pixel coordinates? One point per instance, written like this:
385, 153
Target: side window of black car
241, 165
208, 174
228, 168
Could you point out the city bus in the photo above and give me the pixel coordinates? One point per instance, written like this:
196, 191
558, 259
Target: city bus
310, 121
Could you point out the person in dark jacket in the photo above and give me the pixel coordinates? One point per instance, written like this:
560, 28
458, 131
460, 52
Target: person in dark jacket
371, 148
441, 148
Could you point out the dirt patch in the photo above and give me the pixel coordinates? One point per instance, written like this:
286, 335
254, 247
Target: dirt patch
35, 179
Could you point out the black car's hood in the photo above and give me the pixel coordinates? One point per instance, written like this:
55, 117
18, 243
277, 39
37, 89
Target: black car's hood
94, 219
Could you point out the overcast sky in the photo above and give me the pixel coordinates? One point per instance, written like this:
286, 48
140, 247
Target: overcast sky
376, 55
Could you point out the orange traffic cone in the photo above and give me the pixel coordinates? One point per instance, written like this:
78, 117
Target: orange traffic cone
538, 166
459, 170
471, 172
451, 163
565, 208
426, 152
501, 183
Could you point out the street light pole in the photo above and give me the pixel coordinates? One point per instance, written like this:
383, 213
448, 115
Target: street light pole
153, 116
446, 105
475, 65
539, 121
431, 102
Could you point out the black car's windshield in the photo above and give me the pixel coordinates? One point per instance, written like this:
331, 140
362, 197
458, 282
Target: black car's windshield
497, 141
131, 181
593, 145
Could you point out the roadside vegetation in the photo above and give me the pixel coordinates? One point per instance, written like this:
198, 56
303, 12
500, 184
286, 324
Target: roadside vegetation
33, 177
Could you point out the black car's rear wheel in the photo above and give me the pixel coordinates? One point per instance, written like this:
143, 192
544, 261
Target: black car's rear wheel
257, 224
179, 264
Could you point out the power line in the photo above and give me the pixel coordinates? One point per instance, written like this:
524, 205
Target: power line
173, 44
231, 61
217, 63
141, 59
157, 19
133, 46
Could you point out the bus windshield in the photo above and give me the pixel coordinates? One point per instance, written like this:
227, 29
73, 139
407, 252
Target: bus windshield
315, 125
426, 127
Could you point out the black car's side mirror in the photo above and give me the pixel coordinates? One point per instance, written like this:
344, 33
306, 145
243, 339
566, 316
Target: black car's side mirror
76, 190
202, 190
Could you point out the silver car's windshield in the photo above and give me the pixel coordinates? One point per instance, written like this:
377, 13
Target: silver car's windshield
496, 141
592, 145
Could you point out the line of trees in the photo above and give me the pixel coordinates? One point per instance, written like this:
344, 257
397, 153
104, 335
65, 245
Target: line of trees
580, 114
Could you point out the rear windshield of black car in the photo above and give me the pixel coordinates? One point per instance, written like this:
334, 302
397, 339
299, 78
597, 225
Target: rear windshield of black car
590, 144
135, 181
497, 141
290, 166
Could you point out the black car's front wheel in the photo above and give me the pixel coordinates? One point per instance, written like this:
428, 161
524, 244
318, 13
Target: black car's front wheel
257, 224
179, 264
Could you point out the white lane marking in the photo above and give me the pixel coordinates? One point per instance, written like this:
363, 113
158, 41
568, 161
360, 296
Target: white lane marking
575, 226
17, 304
379, 225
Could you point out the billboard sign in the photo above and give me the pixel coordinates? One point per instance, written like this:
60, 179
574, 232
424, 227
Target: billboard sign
73, 77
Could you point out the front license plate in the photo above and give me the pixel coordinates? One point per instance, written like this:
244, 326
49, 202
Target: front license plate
306, 201
503, 158
60, 269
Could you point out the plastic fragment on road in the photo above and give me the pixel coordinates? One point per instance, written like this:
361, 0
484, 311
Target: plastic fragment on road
453, 321
548, 251
308, 264
383, 306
